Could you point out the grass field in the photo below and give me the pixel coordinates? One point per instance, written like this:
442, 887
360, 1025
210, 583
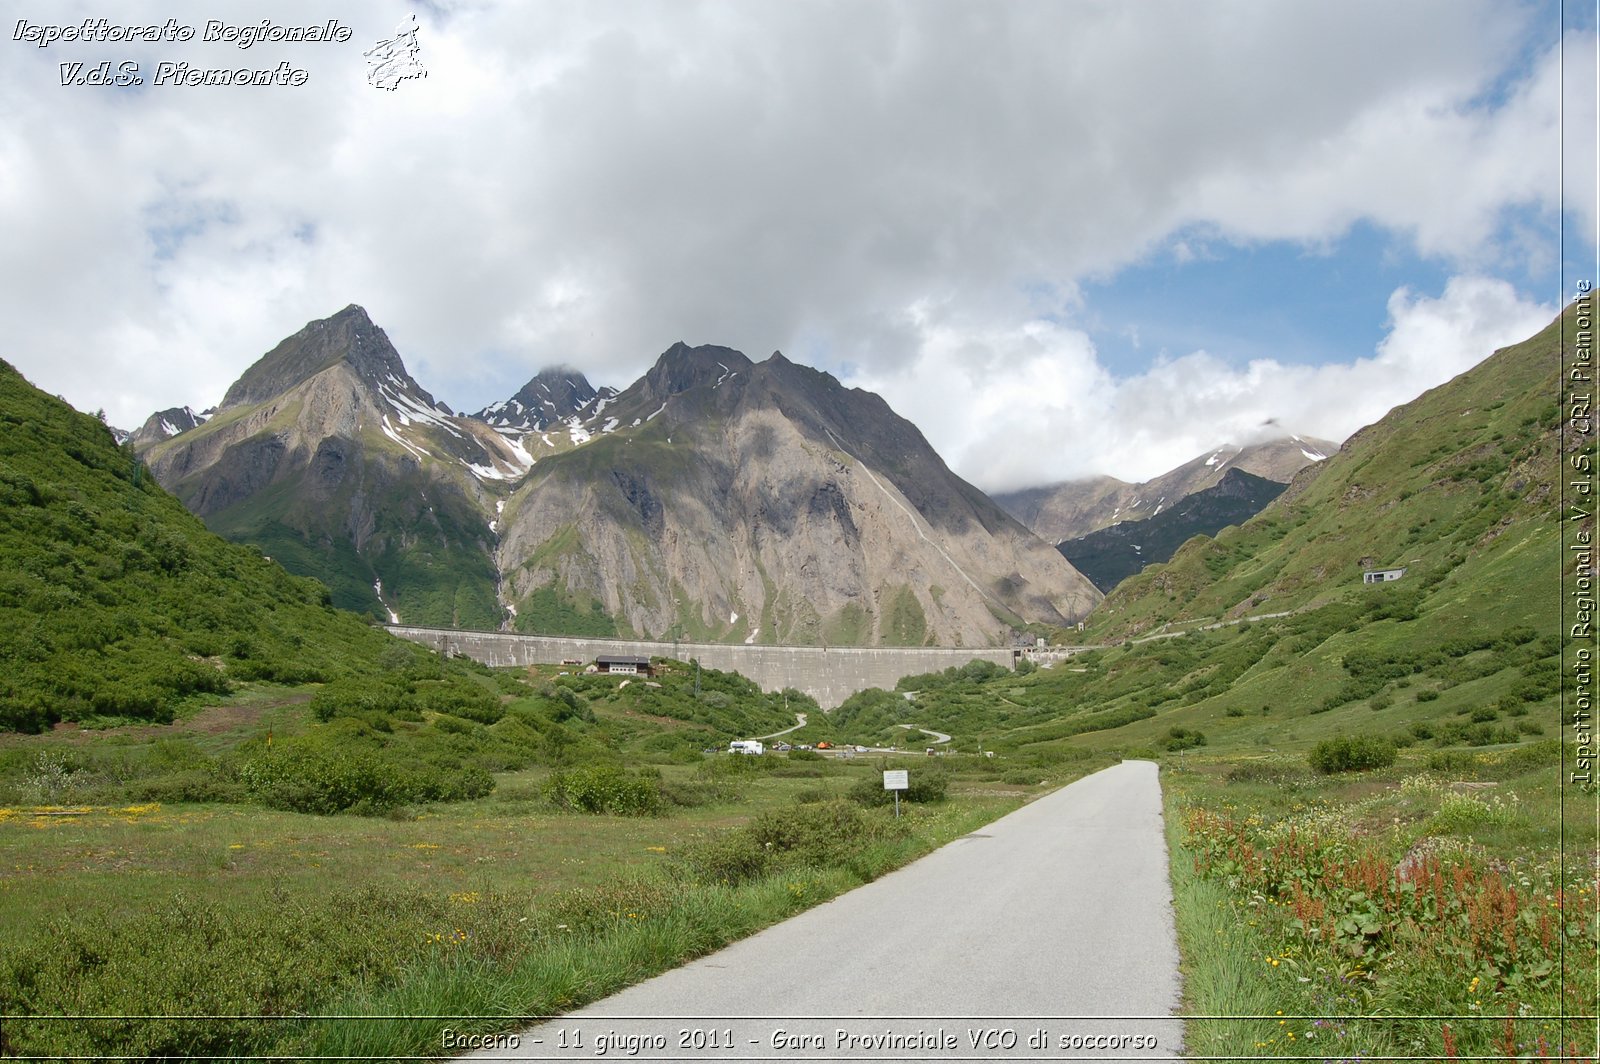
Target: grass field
502, 907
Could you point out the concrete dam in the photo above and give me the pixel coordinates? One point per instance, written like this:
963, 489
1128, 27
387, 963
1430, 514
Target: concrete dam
828, 674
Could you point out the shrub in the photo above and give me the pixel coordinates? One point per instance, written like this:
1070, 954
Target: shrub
601, 788
1345, 754
360, 698
333, 774
460, 698
818, 834
1182, 739
924, 785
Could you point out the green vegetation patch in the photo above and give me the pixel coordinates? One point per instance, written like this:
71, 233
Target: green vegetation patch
904, 622
116, 604
1438, 908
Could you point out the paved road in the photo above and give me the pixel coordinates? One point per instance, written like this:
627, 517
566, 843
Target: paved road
937, 736
1055, 917
800, 717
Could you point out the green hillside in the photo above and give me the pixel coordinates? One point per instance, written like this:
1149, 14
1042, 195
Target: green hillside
116, 603
1460, 486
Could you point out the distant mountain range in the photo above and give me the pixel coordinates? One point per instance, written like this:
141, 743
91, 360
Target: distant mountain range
1109, 555
1073, 509
715, 498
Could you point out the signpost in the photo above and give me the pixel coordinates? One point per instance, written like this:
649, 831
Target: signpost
896, 780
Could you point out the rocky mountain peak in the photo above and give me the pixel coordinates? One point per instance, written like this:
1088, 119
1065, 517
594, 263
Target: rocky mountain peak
165, 424
348, 336
554, 395
682, 367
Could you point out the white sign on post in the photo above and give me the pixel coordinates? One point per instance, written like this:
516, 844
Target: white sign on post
895, 780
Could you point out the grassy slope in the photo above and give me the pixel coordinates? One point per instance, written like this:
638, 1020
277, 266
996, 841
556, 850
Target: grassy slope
1445, 484
115, 602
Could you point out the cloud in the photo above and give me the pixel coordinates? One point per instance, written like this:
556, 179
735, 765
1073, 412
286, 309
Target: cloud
587, 183
1019, 406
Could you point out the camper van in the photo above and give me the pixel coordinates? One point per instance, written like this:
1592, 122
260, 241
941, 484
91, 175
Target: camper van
746, 746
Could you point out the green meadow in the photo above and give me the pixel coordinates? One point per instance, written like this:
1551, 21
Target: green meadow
146, 871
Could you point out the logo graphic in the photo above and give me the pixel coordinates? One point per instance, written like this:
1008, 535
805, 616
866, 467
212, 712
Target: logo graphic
395, 60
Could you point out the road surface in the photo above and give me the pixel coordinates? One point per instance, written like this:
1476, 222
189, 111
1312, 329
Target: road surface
800, 717
937, 736
1056, 918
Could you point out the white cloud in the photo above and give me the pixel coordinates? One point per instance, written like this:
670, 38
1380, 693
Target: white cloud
586, 183
1013, 407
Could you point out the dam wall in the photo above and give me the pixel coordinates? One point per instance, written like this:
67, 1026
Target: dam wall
828, 674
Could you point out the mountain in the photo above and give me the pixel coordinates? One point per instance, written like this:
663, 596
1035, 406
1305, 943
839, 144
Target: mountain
765, 502
327, 455
1073, 509
714, 498
1107, 556
555, 397
1461, 487
165, 424
116, 603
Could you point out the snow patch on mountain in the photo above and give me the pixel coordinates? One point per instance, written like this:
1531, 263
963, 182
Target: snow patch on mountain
390, 431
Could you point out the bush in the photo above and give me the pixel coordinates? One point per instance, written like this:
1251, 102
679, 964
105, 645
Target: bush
1182, 739
460, 698
925, 785
361, 698
1344, 754
817, 834
335, 774
606, 789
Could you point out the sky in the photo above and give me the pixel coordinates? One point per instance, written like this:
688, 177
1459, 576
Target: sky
1064, 237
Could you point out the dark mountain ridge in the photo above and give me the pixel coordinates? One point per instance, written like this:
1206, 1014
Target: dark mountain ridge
1108, 556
